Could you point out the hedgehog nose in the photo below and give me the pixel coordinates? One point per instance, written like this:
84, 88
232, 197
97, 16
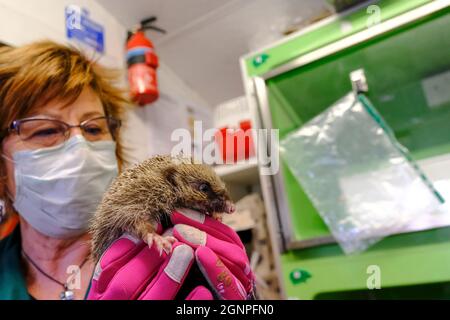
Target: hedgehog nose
229, 207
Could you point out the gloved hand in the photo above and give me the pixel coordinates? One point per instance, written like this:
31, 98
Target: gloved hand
129, 269
219, 253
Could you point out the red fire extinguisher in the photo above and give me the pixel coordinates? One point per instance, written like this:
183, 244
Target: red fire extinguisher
142, 63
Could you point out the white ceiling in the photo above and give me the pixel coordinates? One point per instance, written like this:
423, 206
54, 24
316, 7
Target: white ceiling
206, 37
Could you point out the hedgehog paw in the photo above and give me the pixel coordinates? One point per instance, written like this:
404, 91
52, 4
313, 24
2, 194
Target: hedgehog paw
217, 216
161, 242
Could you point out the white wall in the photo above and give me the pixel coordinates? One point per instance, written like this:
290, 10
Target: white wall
29, 20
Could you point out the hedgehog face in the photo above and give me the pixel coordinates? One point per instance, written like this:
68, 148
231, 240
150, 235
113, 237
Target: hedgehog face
199, 188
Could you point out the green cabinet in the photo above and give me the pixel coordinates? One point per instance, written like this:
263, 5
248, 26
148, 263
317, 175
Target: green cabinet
406, 60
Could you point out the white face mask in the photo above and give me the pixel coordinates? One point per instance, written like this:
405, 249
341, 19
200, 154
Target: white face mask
59, 188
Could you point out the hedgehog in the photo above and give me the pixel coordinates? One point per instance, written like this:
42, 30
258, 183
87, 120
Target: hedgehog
142, 196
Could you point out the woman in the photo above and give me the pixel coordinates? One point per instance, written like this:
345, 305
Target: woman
60, 149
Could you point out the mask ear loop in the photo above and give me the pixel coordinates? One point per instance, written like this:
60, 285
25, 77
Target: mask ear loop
8, 194
3, 205
2, 202
4, 156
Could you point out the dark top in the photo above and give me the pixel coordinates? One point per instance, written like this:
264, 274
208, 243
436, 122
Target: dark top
12, 275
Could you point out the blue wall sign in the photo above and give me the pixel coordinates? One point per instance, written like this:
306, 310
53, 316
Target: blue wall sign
80, 27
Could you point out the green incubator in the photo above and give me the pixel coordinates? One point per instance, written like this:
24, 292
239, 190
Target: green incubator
396, 55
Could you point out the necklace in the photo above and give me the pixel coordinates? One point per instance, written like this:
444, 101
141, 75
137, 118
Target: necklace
66, 294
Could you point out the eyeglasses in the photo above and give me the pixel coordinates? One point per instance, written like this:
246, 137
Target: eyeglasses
42, 132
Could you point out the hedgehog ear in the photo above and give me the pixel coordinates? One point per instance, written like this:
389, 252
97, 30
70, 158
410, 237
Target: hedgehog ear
170, 173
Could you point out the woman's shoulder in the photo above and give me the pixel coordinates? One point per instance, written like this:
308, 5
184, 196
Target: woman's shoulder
9, 239
10, 247
12, 281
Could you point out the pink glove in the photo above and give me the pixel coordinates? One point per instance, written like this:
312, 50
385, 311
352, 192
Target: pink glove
129, 269
219, 253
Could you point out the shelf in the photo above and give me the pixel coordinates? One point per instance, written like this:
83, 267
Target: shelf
244, 172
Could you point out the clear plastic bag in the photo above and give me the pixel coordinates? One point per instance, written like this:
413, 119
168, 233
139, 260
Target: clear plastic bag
360, 179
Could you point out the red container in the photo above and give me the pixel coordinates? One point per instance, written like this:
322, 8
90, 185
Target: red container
236, 144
